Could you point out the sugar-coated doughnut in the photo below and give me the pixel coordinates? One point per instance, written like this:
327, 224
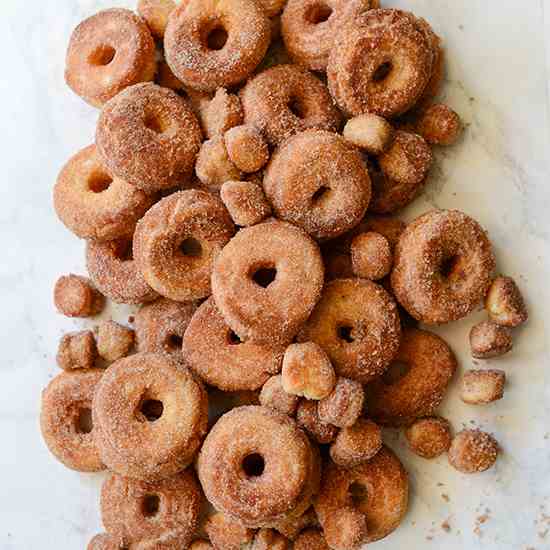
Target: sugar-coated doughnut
473, 451
439, 125
76, 296
213, 166
246, 148
388, 226
343, 406
429, 437
103, 541
274, 396
114, 341
269, 539
370, 132
108, 52
487, 339
223, 112
156, 13
311, 539
149, 415
245, 201
292, 526
504, 303
482, 386
307, 416
227, 533
356, 444
77, 350
371, 256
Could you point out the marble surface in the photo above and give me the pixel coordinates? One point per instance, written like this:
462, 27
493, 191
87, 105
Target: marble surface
499, 174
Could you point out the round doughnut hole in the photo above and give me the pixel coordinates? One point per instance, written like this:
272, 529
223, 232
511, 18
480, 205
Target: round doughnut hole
84, 424
318, 13
322, 192
253, 465
395, 372
382, 72
151, 409
191, 248
150, 505
233, 338
99, 182
215, 36
175, 341
448, 266
102, 56
264, 276
296, 107
358, 493
345, 333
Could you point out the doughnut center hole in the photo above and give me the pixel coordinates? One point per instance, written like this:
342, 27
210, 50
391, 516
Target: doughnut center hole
345, 333
253, 465
320, 193
216, 37
123, 251
264, 276
99, 182
358, 493
319, 13
175, 341
382, 72
191, 247
395, 372
296, 107
102, 56
150, 505
448, 266
151, 409
233, 338
84, 424
155, 123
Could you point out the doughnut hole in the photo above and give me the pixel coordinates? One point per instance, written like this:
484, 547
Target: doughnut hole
233, 339
253, 465
102, 55
356, 444
297, 107
201, 545
245, 202
274, 396
156, 13
214, 167
99, 182
218, 115
270, 539
487, 339
77, 350
318, 13
150, 506
347, 528
358, 494
322, 193
343, 405
311, 539
482, 386
473, 451
369, 132
246, 148
505, 304
226, 532
123, 250
75, 296
429, 437
174, 341
439, 125
371, 256
307, 417
114, 341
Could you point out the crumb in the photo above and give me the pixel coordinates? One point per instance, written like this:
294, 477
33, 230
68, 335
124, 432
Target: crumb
445, 497
131, 319
446, 526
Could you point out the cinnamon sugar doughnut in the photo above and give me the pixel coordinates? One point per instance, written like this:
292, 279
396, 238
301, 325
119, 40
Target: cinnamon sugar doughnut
473, 451
114, 271
246, 148
148, 136
439, 125
77, 350
274, 396
108, 52
257, 466
209, 44
164, 512
356, 444
225, 533
75, 296
150, 416
213, 166
216, 354
245, 201
156, 13
357, 324
429, 437
399, 398
308, 418
285, 100
65, 419
177, 241
443, 265
317, 181
267, 280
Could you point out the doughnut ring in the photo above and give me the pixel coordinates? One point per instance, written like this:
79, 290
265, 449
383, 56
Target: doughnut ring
108, 52
150, 416
442, 266
65, 419
317, 181
267, 280
165, 511
177, 241
285, 100
217, 355
257, 466
357, 323
399, 399
149, 137
210, 44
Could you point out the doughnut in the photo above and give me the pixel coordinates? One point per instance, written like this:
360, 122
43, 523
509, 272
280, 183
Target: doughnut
75, 296
438, 71
317, 181
201, 545
482, 386
370, 132
108, 52
371, 256
343, 406
293, 526
308, 28
218, 356
266, 282
504, 303
114, 341
356, 322
65, 419
356, 444
275, 397
439, 125
417, 381
443, 265
209, 44
226, 533
285, 100
213, 167
473, 451
150, 416
77, 350
381, 63
245, 201
103, 541
307, 371
246, 148
113, 270
223, 112
268, 539
165, 512
93, 204
311, 539
177, 241
148, 136
487, 339
257, 466
307, 416
156, 13
429, 437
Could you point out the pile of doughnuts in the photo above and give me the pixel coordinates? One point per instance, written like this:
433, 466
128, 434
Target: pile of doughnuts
247, 158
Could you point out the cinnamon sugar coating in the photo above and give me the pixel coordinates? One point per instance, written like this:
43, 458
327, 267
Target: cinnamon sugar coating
487, 339
223, 112
504, 303
114, 340
356, 444
227, 534
292, 526
439, 125
308, 418
389, 227
370, 132
311, 539
156, 13
213, 166
429, 437
343, 406
245, 201
482, 386
274, 396
246, 148
103, 541
269, 539
167, 79
473, 451
201, 545
75, 296
77, 350
371, 256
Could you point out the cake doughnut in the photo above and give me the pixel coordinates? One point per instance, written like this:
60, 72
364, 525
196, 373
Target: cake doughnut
65, 419
307, 416
311, 539
245, 201
209, 44
165, 512
371, 256
443, 266
399, 398
226, 533
318, 181
257, 466
439, 125
149, 137
266, 282
504, 303
487, 339
429, 437
108, 52
76, 296
246, 148
77, 350
114, 341
150, 416
376, 490
369, 132
269, 539
356, 444
156, 13
357, 323
473, 451
213, 166
482, 386
343, 406
218, 356
103, 541
177, 242
114, 271
287, 99
274, 396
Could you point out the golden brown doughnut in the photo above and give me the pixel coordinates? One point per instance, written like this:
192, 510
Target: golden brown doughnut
504, 303
274, 396
399, 398
307, 416
213, 166
209, 44
66, 420
246, 148
77, 350
343, 406
226, 533
473, 451
318, 181
482, 386
269, 539
108, 52
75, 296
429, 437
150, 416
370, 132
114, 341
245, 201
487, 339
148, 136
356, 444
218, 356
311, 539
439, 125
156, 13
357, 324
103, 541
285, 100
443, 266
267, 280
371, 256
177, 241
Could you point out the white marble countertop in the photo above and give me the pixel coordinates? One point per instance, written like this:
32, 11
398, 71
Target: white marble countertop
499, 174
